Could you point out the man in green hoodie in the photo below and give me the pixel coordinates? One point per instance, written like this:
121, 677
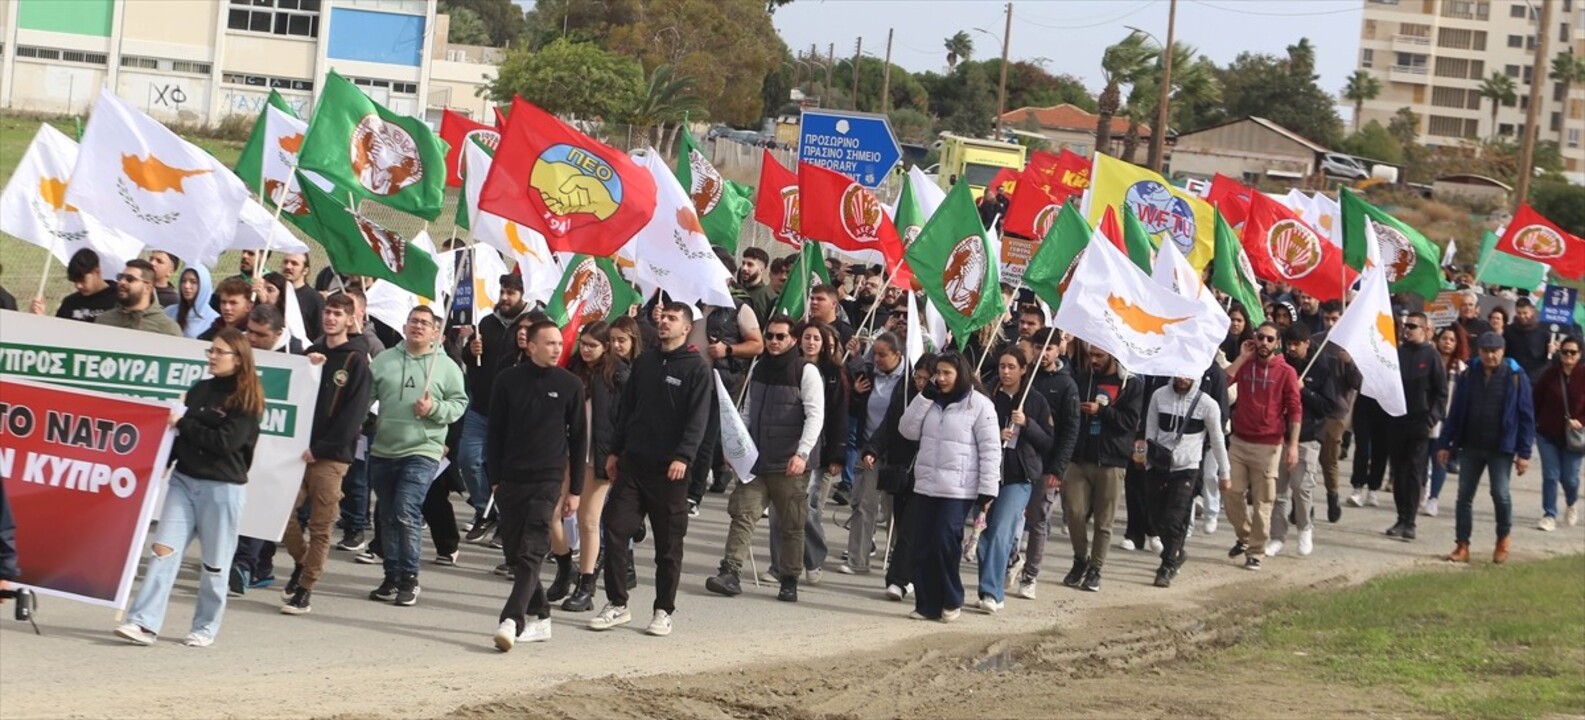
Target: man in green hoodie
136, 308
420, 393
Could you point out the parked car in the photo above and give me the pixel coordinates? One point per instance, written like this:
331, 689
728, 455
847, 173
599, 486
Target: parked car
1339, 165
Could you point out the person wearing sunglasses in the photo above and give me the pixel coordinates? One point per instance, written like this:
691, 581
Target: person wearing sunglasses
1559, 410
1266, 424
1408, 437
136, 308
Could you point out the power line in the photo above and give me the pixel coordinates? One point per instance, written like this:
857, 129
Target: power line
1124, 16
1352, 8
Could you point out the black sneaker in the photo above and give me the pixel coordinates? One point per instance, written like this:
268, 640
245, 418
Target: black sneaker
505, 570
1334, 507
1076, 575
496, 543
407, 591
1092, 579
237, 586
789, 589
292, 583
1239, 548
1252, 563
297, 604
1407, 533
1164, 576
725, 582
448, 559
386, 592
481, 530
1395, 530
839, 497
352, 541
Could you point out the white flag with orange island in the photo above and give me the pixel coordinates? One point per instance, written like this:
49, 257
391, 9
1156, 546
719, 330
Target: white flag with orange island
1367, 332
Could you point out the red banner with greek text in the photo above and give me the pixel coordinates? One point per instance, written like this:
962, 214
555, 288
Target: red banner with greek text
81, 471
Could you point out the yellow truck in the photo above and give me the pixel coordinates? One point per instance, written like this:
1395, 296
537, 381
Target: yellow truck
975, 161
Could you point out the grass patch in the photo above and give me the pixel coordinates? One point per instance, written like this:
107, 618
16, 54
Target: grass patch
1483, 642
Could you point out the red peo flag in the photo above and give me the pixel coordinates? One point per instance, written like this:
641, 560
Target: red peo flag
583, 196
1231, 198
837, 210
776, 206
1533, 237
1282, 248
455, 130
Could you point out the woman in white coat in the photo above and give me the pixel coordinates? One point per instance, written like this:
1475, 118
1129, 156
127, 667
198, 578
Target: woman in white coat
958, 467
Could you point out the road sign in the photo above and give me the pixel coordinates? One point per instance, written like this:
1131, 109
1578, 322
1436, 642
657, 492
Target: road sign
858, 145
1557, 306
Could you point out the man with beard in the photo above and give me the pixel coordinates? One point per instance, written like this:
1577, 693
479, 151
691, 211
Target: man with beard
751, 280
1030, 321
1109, 406
236, 301
1182, 418
1319, 396
294, 267
492, 344
1266, 423
1528, 342
135, 306
1469, 314
865, 289
1408, 438
165, 265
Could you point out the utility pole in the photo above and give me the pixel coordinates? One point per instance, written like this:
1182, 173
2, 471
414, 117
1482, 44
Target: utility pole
1001, 92
831, 62
1532, 113
858, 52
886, 75
1158, 134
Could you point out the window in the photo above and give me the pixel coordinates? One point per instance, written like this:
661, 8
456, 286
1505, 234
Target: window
188, 66
140, 63
1466, 9
267, 81
1369, 30
1461, 39
1367, 57
1411, 60
1557, 121
1419, 30
1446, 126
181, 66
293, 18
1516, 41
1450, 67
1511, 70
1448, 97
395, 87
1471, 128
1516, 11
1573, 137
1562, 33
1558, 93
1505, 129
1477, 69
75, 56
1529, 72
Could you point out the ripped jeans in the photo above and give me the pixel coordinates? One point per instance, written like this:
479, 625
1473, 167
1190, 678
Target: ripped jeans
209, 510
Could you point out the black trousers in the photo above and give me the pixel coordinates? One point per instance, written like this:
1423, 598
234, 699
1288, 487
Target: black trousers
1372, 442
706, 459
439, 514
1136, 499
255, 556
526, 511
636, 494
899, 569
1410, 458
1171, 499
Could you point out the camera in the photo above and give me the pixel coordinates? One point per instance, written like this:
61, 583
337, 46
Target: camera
26, 602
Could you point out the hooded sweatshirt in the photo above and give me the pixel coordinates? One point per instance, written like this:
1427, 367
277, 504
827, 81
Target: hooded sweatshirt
1268, 400
150, 319
1170, 410
200, 316
344, 386
398, 383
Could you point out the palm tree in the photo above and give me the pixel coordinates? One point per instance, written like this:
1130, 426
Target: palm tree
1121, 63
1567, 68
1499, 89
1361, 86
1194, 84
959, 47
1301, 58
667, 97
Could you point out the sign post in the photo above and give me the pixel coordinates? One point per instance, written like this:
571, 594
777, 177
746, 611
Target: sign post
858, 145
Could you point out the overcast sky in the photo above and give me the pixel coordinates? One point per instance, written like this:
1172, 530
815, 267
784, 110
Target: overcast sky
1071, 34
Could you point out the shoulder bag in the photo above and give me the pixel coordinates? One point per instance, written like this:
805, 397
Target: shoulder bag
1159, 455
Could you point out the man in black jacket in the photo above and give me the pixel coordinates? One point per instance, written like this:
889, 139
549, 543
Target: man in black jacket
492, 340
339, 413
1108, 419
1054, 381
1319, 395
662, 423
536, 450
1408, 438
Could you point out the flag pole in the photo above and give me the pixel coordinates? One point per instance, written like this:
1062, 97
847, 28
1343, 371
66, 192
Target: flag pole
1315, 354
874, 305
264, 255
44, 275
979, 367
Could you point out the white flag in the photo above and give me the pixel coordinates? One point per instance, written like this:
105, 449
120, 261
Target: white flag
1328, 218
540, 271
257, 228
736, 445
137, 176
488, 267
1447, 255
936, 325
33, 207
1174, 272
671, 253
283, 136
916, 333
1366, 331
1148, 328
928, 194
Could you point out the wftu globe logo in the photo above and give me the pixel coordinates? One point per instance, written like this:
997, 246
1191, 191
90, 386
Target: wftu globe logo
1162, 212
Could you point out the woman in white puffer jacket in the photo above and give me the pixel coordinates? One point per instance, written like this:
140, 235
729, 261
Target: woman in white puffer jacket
958, 467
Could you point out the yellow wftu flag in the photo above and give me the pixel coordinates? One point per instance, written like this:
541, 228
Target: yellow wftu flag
1164, 210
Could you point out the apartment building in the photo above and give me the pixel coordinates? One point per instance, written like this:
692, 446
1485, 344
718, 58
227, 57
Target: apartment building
198, 61
1432, 56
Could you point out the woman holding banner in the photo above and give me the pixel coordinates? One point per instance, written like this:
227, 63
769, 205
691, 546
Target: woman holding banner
213, 451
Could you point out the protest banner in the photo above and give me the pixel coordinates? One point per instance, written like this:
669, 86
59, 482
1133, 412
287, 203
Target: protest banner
1557, 306
81, 471
159, 367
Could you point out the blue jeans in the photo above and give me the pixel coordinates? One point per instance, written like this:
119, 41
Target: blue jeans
1558, 467
938, 553
1472, 463
996, 543
208, 509
852, 458
355, 497
400, 484
470, 460
1438, 470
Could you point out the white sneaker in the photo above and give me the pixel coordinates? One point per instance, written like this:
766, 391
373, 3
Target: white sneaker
846, 569
1306, 542
610, 616
1273, 547
769, 577
1128, 545
1153, 543
1430, 507
197, 640
1015, 571
1547, 524
813, 575
895, 593
536, 630
660, 625
950, 615
1570, 516
1026, 588
1370, 498
505, 636
1358, 498
135, 634
989, 606
1210, 525
916, 615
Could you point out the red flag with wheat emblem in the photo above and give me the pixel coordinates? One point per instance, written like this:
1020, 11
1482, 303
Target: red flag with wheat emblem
1282, 248
1533, 237
837, 210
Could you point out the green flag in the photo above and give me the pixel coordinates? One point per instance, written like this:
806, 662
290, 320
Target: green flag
909, 218
359, 246
721, 203
392, 159
250, 164
1137, 239
1232, 274
953, 261
808, 270
598, 284
1500, 268
1413, 263
1048, 271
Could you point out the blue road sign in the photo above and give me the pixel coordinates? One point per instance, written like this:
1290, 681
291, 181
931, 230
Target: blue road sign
1557, 305
858, 145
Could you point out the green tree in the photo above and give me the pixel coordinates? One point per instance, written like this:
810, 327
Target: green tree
1499, 89
1194, 85
1301, 59
1120, 64
1263, 85
568, 78
1362, 86
1030, 85
502, 20
577, 20
1197, 95
665, 98
726, 46
959, 47
905, 90
1568, 69
1560, 202
1405, 126
911, 125
1374, 142
466, 28
963, 101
